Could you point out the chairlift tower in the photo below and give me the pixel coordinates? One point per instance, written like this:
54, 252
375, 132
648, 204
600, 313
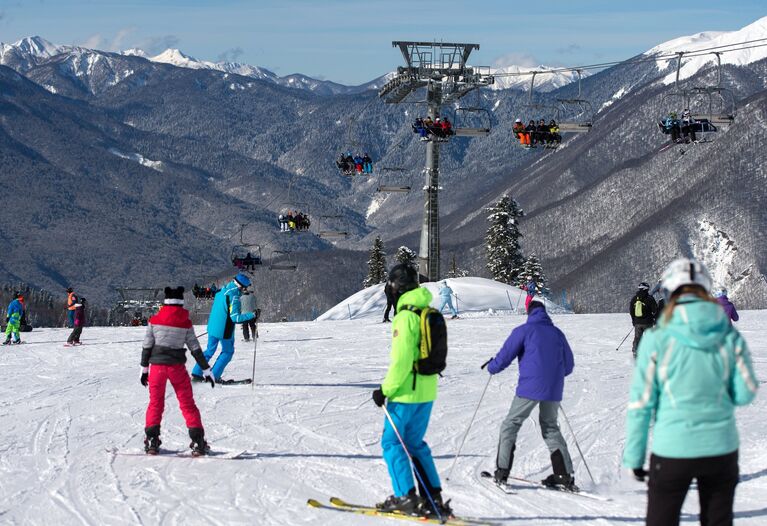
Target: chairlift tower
442, 69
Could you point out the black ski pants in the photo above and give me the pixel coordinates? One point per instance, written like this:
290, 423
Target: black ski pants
74, 336
670, 479
389, 306
250, 324
639, 329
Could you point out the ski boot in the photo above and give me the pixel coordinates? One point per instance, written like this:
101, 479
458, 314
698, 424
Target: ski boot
152, 440
427, 509
17, 341
7, 341
198, 446
196, 378
560, 479
501, 476
408, 505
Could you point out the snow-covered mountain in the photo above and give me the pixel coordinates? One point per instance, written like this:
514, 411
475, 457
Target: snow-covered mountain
712, 39
518, 77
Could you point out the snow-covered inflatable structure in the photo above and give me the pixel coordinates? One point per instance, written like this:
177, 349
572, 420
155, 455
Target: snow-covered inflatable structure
471, 295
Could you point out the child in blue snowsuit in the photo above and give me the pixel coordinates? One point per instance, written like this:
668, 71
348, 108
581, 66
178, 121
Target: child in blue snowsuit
224, 314
445, 295
13, 319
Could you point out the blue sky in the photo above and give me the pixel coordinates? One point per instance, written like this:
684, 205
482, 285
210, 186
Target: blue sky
350, 41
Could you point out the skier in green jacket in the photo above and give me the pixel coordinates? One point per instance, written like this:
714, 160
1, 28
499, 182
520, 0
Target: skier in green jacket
411, 396
692, 370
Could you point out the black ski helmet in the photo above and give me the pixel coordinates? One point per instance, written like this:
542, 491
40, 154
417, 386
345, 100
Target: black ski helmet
403, 278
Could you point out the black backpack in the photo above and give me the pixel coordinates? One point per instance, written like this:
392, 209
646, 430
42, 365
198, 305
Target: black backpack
432, 358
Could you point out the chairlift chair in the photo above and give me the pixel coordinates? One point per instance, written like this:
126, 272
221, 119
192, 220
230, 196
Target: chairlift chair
355, 148
583, 107
325, 223
245, 255
478, 117
282, 260
393, 183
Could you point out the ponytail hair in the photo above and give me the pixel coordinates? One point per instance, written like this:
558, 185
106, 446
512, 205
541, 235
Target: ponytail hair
693, 290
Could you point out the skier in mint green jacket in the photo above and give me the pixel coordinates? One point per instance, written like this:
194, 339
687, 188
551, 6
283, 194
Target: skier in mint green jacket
692, 370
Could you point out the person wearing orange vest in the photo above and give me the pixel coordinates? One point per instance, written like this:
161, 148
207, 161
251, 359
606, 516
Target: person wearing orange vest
71, 301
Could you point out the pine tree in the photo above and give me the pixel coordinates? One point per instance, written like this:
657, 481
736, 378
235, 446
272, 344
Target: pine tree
504, 256
406, 256
376, 264
532, 268
455, 271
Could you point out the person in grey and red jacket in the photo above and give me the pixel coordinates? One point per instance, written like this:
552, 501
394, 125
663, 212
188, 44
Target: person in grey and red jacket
166, 334
545, 359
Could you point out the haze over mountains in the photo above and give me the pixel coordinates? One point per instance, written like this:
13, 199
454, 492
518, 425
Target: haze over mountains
129, 170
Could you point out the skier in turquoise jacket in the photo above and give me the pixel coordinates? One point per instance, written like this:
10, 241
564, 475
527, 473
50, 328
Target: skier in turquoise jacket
411, 397
692, 370
224, 314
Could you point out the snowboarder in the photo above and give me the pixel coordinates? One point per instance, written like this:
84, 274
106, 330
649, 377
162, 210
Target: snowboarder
13, 315
224, 313
704, 371
531, 288
71, 300
522, 135
248, 304
545, 359
389, 301
729, 308
642, 309
446, 298
74, 337
411, 397
166, 334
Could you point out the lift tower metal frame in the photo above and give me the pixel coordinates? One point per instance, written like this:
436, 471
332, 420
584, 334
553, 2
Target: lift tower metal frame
442, 69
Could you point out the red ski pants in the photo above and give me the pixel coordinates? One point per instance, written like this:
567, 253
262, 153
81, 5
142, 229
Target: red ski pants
182, 385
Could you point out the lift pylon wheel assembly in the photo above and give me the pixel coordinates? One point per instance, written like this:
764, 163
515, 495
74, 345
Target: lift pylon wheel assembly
442, 69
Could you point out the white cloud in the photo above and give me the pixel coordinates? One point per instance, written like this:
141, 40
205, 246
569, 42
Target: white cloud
93, 41
516, 59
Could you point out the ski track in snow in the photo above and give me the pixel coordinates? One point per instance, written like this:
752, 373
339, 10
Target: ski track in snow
316, 432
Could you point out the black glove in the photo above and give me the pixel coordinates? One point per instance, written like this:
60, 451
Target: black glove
379, 398
485, 364
145, 379
640, 474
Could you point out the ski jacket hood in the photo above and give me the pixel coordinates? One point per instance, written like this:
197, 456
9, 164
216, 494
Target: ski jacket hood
398, 385
545, 358
692, 371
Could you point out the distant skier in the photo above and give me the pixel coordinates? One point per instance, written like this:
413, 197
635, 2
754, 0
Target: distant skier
367, 164
446, 298
642, 309
248, 304
671, 126
71, 300
660, 302
224, 314
411, 397
688, 127
389, 301
545, 359
531, 287
693, 369
522, 135
727, 305
74, 336
166, 334
13, 315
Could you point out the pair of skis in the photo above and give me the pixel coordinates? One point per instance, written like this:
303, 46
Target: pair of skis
340, 505
510, 490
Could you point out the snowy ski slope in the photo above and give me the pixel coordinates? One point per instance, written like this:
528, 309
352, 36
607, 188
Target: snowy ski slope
316, 431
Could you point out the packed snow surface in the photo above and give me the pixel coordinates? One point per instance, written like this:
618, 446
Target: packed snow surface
477, 296
316, 431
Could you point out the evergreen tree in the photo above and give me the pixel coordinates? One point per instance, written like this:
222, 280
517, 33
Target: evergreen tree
504, 256
532, 267
455, 271
406, 256
376, 264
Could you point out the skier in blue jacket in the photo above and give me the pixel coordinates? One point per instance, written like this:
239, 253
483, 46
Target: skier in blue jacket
446, 298
224, 314
13, 318
545, 359
692, 370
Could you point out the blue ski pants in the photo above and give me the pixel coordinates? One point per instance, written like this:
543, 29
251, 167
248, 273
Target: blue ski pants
71, 319
447, 300
227, 351
411, 421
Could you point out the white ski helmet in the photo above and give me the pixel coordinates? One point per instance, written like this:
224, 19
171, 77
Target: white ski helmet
685, 271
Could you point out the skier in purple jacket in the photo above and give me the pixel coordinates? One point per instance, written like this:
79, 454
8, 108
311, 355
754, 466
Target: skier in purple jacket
545, 359
729, 308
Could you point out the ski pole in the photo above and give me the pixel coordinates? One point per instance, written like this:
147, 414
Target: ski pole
255, 347
519, 298
412, 463
575, 439
624, 339
471, 422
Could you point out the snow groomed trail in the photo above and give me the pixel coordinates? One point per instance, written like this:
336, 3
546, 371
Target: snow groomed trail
315, 432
